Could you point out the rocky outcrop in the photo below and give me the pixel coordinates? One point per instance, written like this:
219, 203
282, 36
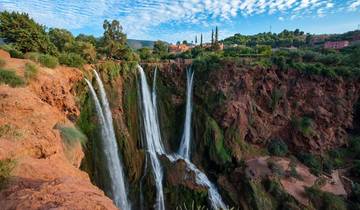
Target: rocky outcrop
309, 112
46, 173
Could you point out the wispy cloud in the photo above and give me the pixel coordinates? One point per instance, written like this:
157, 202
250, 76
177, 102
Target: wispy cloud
141, 16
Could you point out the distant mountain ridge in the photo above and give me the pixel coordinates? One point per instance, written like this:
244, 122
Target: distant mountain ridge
137, 44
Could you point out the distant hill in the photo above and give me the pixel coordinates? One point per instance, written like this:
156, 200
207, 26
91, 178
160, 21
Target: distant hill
137, 44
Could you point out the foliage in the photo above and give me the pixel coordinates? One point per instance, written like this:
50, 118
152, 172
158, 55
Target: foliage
59, 37
215, 139
71, 135
311, 161
25, 33
34, 56
160, 49
85, 49
87, 38
304, 125
284, 39
325, 200
31, 71
10, 131
48, 61
114, 41
9, 77
355, 170
71, 59
6, 167
14, 53
276, 96
111, 68
145, 53
2, 62
277, 147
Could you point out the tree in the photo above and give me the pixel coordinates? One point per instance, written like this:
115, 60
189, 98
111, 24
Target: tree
24, 33
145, 53
185, 42
85, 49
86, 38
212, 36
201, 40
60, 37
196, 40
160, 49
114, 40
216, 35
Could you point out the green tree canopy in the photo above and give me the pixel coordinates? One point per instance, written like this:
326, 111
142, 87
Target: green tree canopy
114, 40
25, 33
160, 49
60, 37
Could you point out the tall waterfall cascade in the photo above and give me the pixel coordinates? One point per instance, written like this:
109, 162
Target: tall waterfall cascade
155, 147
113, 162
184, 149
152, 136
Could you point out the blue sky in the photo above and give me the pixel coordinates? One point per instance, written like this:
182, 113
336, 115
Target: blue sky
172, 20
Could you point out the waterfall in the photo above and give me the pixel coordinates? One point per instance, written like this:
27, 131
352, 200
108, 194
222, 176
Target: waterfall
114, 165
152, 136
155, 147
184, 149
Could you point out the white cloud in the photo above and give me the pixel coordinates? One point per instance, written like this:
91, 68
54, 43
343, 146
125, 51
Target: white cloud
354, 5
140, 16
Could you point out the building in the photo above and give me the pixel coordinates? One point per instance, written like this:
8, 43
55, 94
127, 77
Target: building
179, 48
336, 45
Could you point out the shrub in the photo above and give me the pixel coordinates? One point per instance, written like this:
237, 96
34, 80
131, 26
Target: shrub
34, 56
304, 125
10, 78
48, 61
2, 62
31, 71
277, 169
277, 147
312, 162
355, 170
325, 200
71, 59
10, 131
6, 167
16, 53
71, 135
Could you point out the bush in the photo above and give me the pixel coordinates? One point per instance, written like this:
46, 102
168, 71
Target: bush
312, 162
48, 61
16, 53
2, 62
355, 170
31, 71
71, 135
71, 59
34, 56
325, 200
6, 167
277, 147
10, 78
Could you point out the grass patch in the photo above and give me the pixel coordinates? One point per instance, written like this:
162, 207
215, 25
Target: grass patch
71, 135
2, 62
31, 71
8, 130
10, 78
48, 61
34, 56
6, 167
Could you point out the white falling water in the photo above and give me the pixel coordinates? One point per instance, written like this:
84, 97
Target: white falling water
184, 150
114, 165
152, 136
155, 147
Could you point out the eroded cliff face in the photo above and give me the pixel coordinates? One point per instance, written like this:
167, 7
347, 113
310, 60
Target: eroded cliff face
45, 171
